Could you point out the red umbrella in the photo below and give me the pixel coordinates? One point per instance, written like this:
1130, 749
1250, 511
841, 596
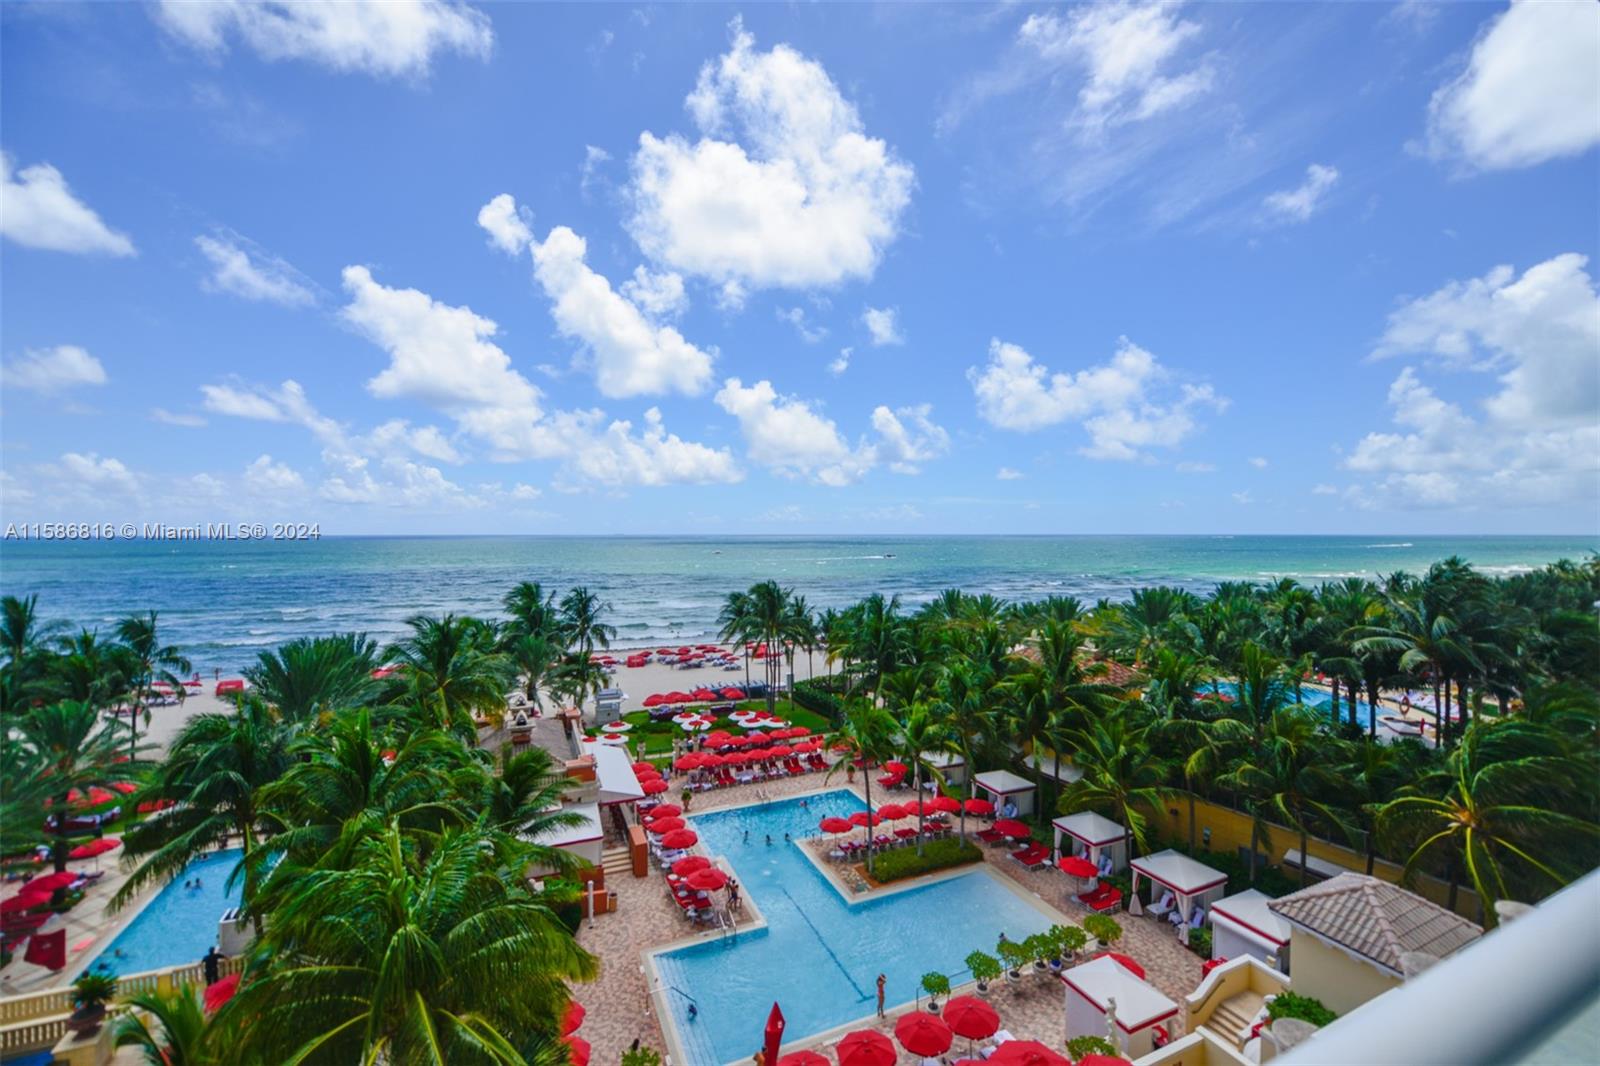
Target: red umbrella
837, 825
1127, 964
1103, 1060
94, 847
893, 812
50, 882
895, 766
647, 775
979, 807
1078, 866
772, 1035
653, 787
666, 810
578, 1050
704, 694
24, 901
780, 750
680, 838
803, 1058
690, 761
922, 1034
662, 826
127, 788
691, 864
866, 1047
708, 880
945, 805
1010, 827
862, 818
218, 994
971, 1017
655, 699
733, 693
645, 768
1026, 1053
799, 731
573, 1018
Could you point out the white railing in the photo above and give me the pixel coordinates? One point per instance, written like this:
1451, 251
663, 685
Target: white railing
1489, 1004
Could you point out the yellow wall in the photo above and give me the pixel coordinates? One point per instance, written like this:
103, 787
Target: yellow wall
1326, 973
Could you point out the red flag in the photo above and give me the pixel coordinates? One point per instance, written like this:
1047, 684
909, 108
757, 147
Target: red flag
774, 1034
48, 950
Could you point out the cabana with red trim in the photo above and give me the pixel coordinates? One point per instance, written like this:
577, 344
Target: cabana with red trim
1103, 996
950, 765
613, 772
1191, 881
586, 840
1001, 785
1090, 835
1243, 924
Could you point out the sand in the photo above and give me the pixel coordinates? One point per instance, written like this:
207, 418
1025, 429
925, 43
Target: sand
639, 682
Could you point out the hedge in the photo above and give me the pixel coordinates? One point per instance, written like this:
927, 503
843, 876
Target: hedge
816, 695
1306, 1008
904, 862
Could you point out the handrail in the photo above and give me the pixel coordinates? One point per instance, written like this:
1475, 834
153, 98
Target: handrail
53, 1002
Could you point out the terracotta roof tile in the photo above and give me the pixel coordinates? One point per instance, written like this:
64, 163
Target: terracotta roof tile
1376, 919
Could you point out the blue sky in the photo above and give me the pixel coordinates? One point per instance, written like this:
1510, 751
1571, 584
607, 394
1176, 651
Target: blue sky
431, 267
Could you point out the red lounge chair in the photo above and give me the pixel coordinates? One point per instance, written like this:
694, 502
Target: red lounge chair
1032, 856
990, 836
1104, 898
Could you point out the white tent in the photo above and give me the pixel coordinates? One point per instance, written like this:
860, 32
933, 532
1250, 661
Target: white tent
1089, 834
1097, 989
613, 772
1055, 766
1003, 785
583, 840
1190, 880
949, 764
1242, 924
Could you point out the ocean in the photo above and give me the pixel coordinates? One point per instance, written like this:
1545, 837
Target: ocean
223, 602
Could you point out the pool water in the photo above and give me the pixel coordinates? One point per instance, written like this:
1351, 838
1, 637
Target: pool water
1320, 701
180, 924
820, 957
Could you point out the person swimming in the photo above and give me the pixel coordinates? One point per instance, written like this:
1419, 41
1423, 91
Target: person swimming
769, 840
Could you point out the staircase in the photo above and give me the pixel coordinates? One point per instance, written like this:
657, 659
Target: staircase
616, 862
1234, 1015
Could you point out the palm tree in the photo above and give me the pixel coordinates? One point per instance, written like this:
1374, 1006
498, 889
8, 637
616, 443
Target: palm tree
525, 799
961, 699
168, 1027
88, 670
309, 676
418, 955
582, 626
452, 669
537, 658
1493, 814
214, 775
923, 733
22, 637
533, 611
1429, 642
868, 731
1374, 771
1122, 778
879, 640
76, 749
765, 614
152, 661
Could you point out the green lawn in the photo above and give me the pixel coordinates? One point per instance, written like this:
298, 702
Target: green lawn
657, 737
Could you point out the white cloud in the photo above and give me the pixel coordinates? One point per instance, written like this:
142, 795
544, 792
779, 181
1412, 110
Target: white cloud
240, 403
269, 477
1538, 440
882, 323
48, 370
1129, 55
1114, 401
796, 317
1258, 462
1324, 489
614, 456
174, 418
842, 363
426, 441
1300, 203
592, 159
1528, 92
525, 493
908, 437
1189, 467
1006, 473
784, 189
506, 225
250, 273
1243, 498
632, 356
90, 472
388, 39
38, 210
658, 294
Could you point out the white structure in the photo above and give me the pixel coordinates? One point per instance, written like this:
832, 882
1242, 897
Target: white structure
585, 840
608, 704
1003, 785
1055, 766
949, 764
1189, 880
1091, 835
1096, 989
613, 773
1243, 924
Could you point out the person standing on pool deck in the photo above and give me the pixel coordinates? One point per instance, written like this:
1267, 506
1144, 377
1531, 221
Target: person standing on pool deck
881, 981
211, 964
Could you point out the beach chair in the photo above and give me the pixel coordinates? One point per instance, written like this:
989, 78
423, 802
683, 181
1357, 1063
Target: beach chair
1104, 898
1165, 906
1033, 856
991, 836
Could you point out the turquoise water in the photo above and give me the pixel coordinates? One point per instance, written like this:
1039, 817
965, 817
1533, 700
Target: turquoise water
223, 602
180, 924
1322, 701
818, 955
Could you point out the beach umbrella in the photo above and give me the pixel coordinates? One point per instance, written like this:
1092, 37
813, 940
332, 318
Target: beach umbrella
696, 725
1078, 866
688, 762
704, 694
661, 826
1103, 1060
653, 786
680, 838
93, 848
614, 740
573, 1018
691, 864
922, 1034
864, 819
1026, 1053
780, 750
979, 807
835, 824
895, 766
708, 760
655, 699
892, 812
708, 880
666, 810
799, 731
803, 1058
127, 788
643, 767
25, 900
733, 693
50, 882
946, 805
578, 1050
1010, 827
866, 1047
617, 727
218, 994
970, 1017
1127, 964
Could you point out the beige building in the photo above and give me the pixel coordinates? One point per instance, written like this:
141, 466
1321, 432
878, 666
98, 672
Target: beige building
1348, 936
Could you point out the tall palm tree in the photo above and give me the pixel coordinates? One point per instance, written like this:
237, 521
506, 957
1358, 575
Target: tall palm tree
868, 733
76, 749
537, 658
436, 955
584, 628
22, 640
452, 670
923, 734
309, 676
151, 661
1428, 641
525, 799
214, 774
1122, 777
88, 669
962, 700
879, 639
167, 1027
533, 611
764, 614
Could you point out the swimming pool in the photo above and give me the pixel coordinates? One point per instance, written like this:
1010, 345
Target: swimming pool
179, 924
819, 956
1316, 699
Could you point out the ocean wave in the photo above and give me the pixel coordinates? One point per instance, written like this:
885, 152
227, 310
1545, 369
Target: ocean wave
1402, 544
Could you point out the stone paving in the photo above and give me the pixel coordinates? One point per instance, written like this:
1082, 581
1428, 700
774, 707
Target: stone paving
618, 1004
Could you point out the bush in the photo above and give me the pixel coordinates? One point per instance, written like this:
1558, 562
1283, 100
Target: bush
93, 988
935, 984
816, 695
1080, 1046
1069, 939
984, 966
643, 1056
1306, 1008
936, 855
1013, 954
1200, 942
1103, 928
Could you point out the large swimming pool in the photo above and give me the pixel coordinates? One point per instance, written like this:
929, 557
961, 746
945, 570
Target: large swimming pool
1319, 700
820, 957
179, 924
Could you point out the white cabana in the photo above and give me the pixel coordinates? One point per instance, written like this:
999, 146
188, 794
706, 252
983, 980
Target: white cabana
584, 840
951, 765
1190, 880
1092, 835
1242, 924
613, 772
1003, 785
1100, 988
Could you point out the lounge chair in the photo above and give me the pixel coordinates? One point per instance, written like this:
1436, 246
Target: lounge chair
1165, 906
1033, 856
1106, 897
990, 836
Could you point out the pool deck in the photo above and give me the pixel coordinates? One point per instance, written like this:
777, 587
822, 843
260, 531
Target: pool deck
620, 1005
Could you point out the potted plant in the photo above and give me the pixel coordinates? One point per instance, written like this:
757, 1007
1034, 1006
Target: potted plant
1039, 948
1103, 928
935, 984
985, 968
1015, 957
641, 1056
1070, 939
1083, 1046
90, 994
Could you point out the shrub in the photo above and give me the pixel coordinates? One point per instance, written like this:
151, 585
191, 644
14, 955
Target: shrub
93, 988
641, 1056
1070, 939
1200, 942
815, 696
1103, 928
1306, 1008
984, 966
1080, 1046
936, 855
935, 984
1012, 954
565, 898
1040, 946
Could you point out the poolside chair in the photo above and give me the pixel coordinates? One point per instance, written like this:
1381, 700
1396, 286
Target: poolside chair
990, 836
1033, 856
1167, 904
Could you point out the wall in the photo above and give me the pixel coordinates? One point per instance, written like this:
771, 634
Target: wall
1341, 982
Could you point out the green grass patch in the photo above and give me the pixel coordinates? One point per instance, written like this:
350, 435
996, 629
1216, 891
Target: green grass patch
904, 862
657, 737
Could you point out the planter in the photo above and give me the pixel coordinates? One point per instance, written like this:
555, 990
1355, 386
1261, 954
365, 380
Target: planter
983, 988
1040, 965
87, 1020
933, 1006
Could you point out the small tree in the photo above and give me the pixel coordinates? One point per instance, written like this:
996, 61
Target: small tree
1070, 939
1014, 955
1040, 947
985, 968
641, 1056
1103, 928
935, 984
1082, 1046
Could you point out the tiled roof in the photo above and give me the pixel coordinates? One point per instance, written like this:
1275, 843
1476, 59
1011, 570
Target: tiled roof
1100, 671
1376, 919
